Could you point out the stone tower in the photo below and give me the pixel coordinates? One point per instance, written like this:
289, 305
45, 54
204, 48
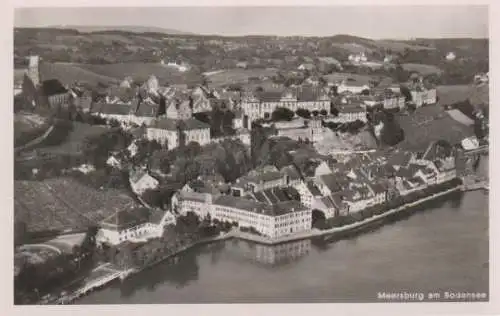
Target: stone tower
33, 72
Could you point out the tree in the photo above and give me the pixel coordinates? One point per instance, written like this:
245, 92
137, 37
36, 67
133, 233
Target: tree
259, 89
315, 113
303, 113
153, 197
365, 92
391, 133
282, 114
406, 93
323, 112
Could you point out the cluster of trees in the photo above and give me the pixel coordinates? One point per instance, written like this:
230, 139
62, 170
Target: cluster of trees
275, 151
96, 149
305, 113
282, 114
392, 133
229, 158
349, 127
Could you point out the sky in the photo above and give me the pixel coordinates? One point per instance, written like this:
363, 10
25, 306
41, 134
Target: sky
396, 22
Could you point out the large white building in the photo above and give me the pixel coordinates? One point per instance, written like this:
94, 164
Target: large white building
349, 113
136, 225
263, 104
354, 87
173, 132
273, 221
164, 131
423, 96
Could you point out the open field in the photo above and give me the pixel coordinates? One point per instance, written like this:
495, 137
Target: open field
366, 79
355, 44
453, 94
428, 124
422, 69
68, 73
238, 75
476, 95
141, 72
62, 203
400, 46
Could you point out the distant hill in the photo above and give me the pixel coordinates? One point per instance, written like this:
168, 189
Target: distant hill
359, 43
123, 28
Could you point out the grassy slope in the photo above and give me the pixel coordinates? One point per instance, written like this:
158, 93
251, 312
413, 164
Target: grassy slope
238, 75
69, 73
422, 68
428, 124
140, 72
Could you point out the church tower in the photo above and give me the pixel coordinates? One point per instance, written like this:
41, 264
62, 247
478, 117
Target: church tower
33, 72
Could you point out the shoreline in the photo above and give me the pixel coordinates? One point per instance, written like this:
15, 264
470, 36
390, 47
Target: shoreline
343, 229
314, 233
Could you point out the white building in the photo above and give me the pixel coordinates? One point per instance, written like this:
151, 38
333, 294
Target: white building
357, 58
451, 56
180, 67
354, 87
272, 221
137, 224
172, 132
423, 96
445, 169
140, 181
164, 131
349, 113
309, 193
189, 201
262, 105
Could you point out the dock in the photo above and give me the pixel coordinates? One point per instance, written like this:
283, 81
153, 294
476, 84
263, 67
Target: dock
99, 277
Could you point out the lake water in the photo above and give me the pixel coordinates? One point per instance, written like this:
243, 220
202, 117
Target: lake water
441, 247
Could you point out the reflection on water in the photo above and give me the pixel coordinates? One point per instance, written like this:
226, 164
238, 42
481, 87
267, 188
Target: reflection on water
272, 255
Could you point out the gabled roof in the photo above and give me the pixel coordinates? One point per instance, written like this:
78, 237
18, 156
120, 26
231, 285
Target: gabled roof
193, 124
401, 158
52, 87
310, 94
269, 96
137, 175
313, 188
291, 171
147, 110
378, 187
165, 123
127, 218
328, 202
330, 182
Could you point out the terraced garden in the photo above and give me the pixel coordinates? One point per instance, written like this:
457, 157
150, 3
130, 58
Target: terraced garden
62, 203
